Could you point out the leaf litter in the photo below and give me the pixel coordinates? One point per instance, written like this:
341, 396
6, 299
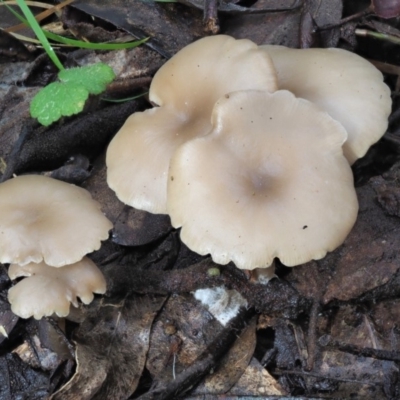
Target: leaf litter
328, 328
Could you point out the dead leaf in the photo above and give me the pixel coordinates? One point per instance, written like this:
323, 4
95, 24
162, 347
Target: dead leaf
169, 26
111, 350
366, 260
233, 365
19, 381
386, 8
256, 381
327, 13
271, 28
193, 330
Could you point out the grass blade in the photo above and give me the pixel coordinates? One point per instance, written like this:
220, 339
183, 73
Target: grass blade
39, 34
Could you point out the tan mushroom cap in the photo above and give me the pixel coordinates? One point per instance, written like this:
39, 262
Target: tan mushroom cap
42, 219
49, 290
341, 83
185, 89
269, 181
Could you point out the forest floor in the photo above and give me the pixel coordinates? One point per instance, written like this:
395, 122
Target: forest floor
328, 329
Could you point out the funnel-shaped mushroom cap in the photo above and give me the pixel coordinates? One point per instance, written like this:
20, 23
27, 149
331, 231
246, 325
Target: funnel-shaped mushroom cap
186, 89
42, 219
50, 290
349, 88
269, 181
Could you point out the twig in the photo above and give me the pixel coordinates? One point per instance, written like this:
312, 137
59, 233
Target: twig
210, 17
205, 363
350, 18
327, 341
312, 335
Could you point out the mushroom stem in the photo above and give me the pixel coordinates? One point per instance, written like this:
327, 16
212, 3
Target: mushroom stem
263, 275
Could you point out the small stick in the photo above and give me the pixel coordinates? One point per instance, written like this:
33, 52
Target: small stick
312, 335
377, 35
210, 16
387, 355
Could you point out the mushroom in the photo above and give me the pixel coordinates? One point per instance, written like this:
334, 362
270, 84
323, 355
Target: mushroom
270, 180
185, 90
49, 290
342, 83
42, 219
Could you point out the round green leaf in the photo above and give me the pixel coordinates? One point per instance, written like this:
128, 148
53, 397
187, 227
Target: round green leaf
93, 78
57, 100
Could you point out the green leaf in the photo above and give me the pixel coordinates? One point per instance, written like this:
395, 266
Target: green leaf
68, 97
57, 100
94, 78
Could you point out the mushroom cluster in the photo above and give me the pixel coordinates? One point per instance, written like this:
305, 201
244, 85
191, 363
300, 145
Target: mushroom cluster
248, 148
185, 90
47, 227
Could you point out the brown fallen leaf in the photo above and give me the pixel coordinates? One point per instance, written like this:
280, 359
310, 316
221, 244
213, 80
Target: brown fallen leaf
386, 8
180, 334
233, 365
111, 348
169, 28
368, 258
256, 381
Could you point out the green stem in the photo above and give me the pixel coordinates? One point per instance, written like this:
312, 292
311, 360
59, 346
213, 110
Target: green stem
94, 46
40, 34
377, 35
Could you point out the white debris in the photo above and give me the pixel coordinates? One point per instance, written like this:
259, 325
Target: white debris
223, 304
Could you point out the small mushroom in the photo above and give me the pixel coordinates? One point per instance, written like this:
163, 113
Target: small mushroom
42, 219
185, 90
270, 180
49, 290
341, 83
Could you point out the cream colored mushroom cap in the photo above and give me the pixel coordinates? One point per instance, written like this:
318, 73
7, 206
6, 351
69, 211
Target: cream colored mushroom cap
185, 89
49, 290
341, 83
43, 219
269, 181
